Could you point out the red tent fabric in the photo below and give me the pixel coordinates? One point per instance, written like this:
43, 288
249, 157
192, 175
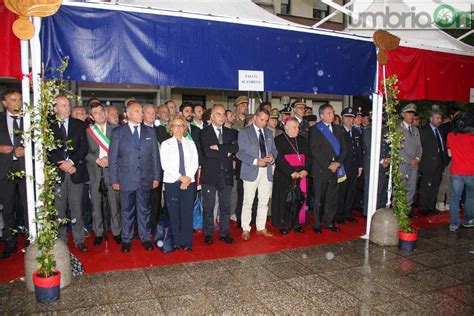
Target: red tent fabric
10, 56
429, 75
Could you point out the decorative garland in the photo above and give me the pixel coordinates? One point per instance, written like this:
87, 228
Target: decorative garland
400, 206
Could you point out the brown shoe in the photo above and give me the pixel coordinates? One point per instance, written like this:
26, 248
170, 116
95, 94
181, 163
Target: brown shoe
246, 235
265, 233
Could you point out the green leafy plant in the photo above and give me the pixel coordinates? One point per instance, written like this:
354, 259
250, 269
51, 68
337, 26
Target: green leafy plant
40, 133
400, 206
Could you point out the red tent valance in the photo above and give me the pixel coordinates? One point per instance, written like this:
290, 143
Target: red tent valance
10, 65
430, 75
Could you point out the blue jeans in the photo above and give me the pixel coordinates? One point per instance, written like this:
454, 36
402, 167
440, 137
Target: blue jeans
457, 186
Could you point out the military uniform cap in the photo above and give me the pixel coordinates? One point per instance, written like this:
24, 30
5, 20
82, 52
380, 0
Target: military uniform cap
242, 99
299, 101
274, 114
348, 112
410, 107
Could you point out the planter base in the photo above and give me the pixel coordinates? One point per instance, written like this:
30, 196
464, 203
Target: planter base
384, 228
407, 241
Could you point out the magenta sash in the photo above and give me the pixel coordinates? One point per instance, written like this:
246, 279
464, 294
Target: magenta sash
293, 160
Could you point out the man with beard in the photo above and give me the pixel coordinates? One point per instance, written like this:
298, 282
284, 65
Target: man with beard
198, 111
186, 110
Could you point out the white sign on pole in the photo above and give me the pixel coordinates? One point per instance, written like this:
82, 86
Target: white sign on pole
250, 80
471, 99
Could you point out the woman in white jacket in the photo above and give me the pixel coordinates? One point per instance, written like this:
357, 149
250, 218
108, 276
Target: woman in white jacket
179, 160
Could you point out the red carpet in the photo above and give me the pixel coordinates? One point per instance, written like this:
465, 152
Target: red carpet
97, 259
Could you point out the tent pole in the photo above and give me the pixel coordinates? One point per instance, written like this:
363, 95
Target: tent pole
25, 91
376, 136
36, 71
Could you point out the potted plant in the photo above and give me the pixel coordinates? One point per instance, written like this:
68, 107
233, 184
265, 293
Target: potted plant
407, 234
46, 278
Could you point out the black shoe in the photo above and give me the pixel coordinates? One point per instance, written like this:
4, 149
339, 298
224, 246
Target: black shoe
283, 231
351, 219
8, 252
188, 248
412, 215
148, 246
81, 247
118, 239
97, 241
333, 228
126, 247
298, 230
227, 239
208, 240
424, 212
317, 230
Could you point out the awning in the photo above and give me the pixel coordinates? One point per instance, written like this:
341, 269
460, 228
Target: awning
123, 44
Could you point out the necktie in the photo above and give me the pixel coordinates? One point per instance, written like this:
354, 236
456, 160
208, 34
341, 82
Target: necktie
329, 127
136, 137
182, 169
221, 141
409, 130
261, 141
63, 131
440, 142
16, 132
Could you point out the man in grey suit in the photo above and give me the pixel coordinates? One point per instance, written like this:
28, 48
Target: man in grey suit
410, 152
98, 137
257, 151
135, 169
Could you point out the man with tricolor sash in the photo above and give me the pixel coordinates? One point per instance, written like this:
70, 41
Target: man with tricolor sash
98, 137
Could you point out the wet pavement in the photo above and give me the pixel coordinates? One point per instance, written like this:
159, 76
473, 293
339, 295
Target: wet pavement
348, 278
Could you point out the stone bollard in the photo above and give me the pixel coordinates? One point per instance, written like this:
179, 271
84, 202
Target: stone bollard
63, 263
384, 228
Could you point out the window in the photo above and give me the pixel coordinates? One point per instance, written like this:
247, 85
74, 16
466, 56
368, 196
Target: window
194, 99
285, 6
320, 10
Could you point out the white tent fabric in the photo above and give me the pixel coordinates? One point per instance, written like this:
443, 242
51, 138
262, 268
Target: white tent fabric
242, 9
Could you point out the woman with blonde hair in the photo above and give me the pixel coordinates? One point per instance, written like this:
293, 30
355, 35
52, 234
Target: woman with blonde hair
179, 161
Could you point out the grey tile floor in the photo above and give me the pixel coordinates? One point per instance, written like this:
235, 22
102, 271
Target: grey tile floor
348, 278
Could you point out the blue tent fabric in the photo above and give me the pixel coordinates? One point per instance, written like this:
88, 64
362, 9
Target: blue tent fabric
129, 47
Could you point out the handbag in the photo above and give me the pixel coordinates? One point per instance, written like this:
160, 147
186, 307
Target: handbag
163, 236
197, 212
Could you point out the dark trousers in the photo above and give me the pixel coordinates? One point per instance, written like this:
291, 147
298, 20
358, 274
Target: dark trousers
12, 197
156, 208
347, 194
429, 187
180, 204
135, 207
86, 206
69, 196
240, 203
208, 201
325, 198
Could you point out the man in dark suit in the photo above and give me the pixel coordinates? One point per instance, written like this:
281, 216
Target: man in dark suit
328, 148
98, 138
433, 160
134, 167
11, 160
384, 159
218, 144
72, 168
353, 167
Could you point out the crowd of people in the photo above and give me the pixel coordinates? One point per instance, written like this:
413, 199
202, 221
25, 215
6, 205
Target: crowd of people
154, 161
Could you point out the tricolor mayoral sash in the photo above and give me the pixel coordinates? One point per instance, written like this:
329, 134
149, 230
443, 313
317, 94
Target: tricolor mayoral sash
99, 137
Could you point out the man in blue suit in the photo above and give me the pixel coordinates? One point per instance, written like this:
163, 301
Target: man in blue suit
257, 151
134, 169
